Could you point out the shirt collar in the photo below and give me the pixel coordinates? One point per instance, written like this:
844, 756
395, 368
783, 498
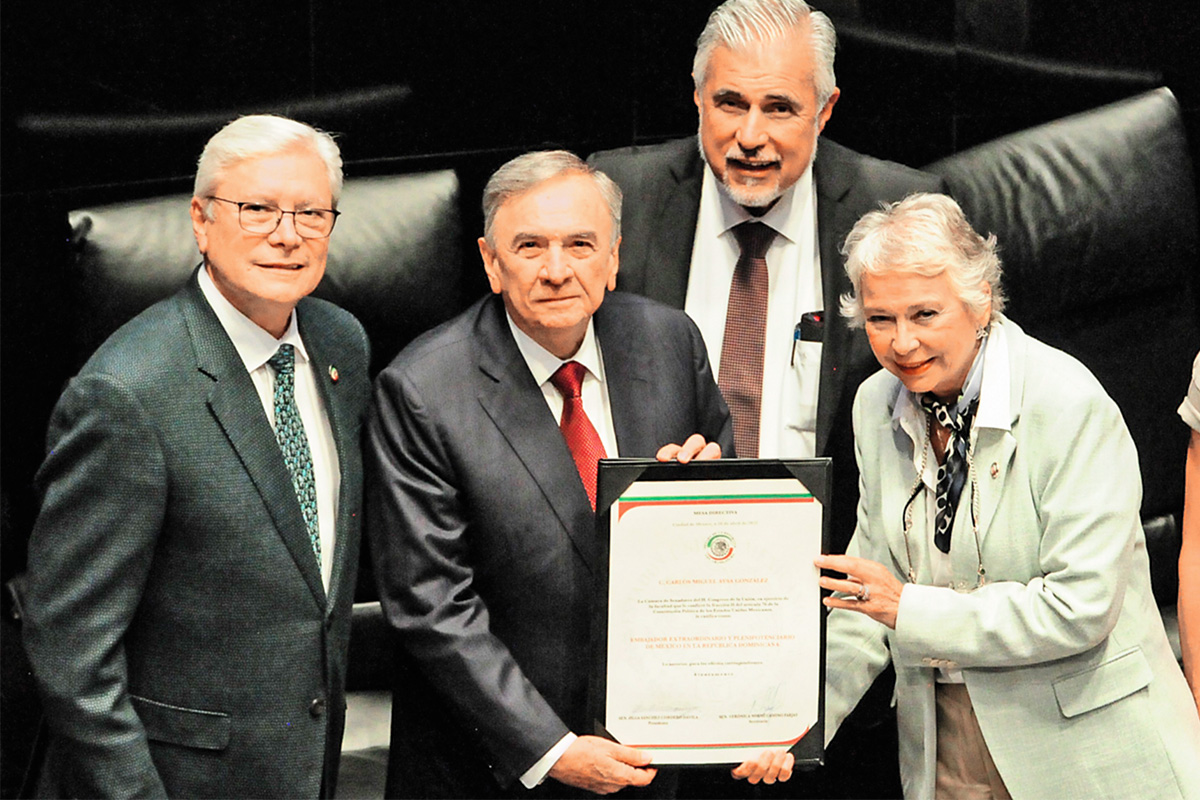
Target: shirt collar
995, 398
786, 217
253, 344
971, 388
543, 364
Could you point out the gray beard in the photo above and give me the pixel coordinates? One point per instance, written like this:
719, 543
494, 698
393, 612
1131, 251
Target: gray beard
736, 194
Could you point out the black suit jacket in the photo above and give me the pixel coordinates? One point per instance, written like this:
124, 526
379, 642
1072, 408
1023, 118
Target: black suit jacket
176, 620
484, 538
662, 186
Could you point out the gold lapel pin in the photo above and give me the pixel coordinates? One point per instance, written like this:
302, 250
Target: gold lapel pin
333, 376
995, 466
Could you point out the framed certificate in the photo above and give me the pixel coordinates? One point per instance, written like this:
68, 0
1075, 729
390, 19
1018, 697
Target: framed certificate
709, 628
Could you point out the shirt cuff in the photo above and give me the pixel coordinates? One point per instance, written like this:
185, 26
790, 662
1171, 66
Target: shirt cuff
538, 772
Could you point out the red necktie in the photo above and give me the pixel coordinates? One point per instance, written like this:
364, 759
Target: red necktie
576, 428
741, 370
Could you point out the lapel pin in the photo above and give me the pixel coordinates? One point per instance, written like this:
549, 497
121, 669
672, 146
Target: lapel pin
333, 376
995, 466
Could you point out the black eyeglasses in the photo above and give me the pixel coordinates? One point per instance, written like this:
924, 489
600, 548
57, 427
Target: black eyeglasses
310, 223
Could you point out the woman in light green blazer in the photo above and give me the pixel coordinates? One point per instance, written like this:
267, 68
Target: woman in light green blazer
999, 561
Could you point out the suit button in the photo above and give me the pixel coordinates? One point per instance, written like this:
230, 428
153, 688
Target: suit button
317, 707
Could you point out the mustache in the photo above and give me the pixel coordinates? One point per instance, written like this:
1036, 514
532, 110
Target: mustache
736, 153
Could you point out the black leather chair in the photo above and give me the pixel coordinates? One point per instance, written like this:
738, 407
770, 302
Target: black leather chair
913, 99
61, 150
898, 94
1097, 222
396, 259
998, 93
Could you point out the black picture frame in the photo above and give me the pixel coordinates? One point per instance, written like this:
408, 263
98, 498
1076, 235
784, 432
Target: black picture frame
614, 477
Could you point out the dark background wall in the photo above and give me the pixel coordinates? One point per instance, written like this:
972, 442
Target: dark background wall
491, 74
482, 74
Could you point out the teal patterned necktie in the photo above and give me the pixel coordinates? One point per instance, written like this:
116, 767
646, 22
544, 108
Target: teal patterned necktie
289, 430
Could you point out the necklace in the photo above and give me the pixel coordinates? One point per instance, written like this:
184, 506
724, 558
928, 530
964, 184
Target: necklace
919, 484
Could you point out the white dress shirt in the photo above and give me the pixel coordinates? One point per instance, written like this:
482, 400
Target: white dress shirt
788, 425
594, 393
255, 347
990, 374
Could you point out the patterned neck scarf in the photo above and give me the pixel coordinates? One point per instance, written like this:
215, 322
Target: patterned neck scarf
952, 474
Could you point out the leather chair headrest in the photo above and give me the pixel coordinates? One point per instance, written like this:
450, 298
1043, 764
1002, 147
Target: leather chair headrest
395, 259
1097, 224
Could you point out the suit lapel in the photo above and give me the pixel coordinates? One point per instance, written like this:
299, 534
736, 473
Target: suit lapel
237, 409
627, 365
995, 448
515, 405
896, 483
340, 420
673, 233
835, 217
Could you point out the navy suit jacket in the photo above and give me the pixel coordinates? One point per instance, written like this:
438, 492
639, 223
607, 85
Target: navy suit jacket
484, 538
176, 620
662, 185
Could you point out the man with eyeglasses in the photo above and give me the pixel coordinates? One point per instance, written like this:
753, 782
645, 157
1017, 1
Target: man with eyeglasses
192, 569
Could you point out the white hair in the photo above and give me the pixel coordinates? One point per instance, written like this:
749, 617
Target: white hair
260, 135
923, 234
739, 24
526, 172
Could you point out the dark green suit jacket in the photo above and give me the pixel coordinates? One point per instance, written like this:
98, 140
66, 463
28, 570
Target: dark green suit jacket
177, 624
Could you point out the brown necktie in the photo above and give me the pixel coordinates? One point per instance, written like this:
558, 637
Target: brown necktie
741, 369
582, 439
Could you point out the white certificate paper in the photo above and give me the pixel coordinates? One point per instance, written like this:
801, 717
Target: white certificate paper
714, 618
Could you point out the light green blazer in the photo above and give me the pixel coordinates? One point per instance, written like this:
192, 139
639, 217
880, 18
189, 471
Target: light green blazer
1062, 649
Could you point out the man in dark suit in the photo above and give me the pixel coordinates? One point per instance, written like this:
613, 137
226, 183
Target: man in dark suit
764, 89
192, 569
481, 503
